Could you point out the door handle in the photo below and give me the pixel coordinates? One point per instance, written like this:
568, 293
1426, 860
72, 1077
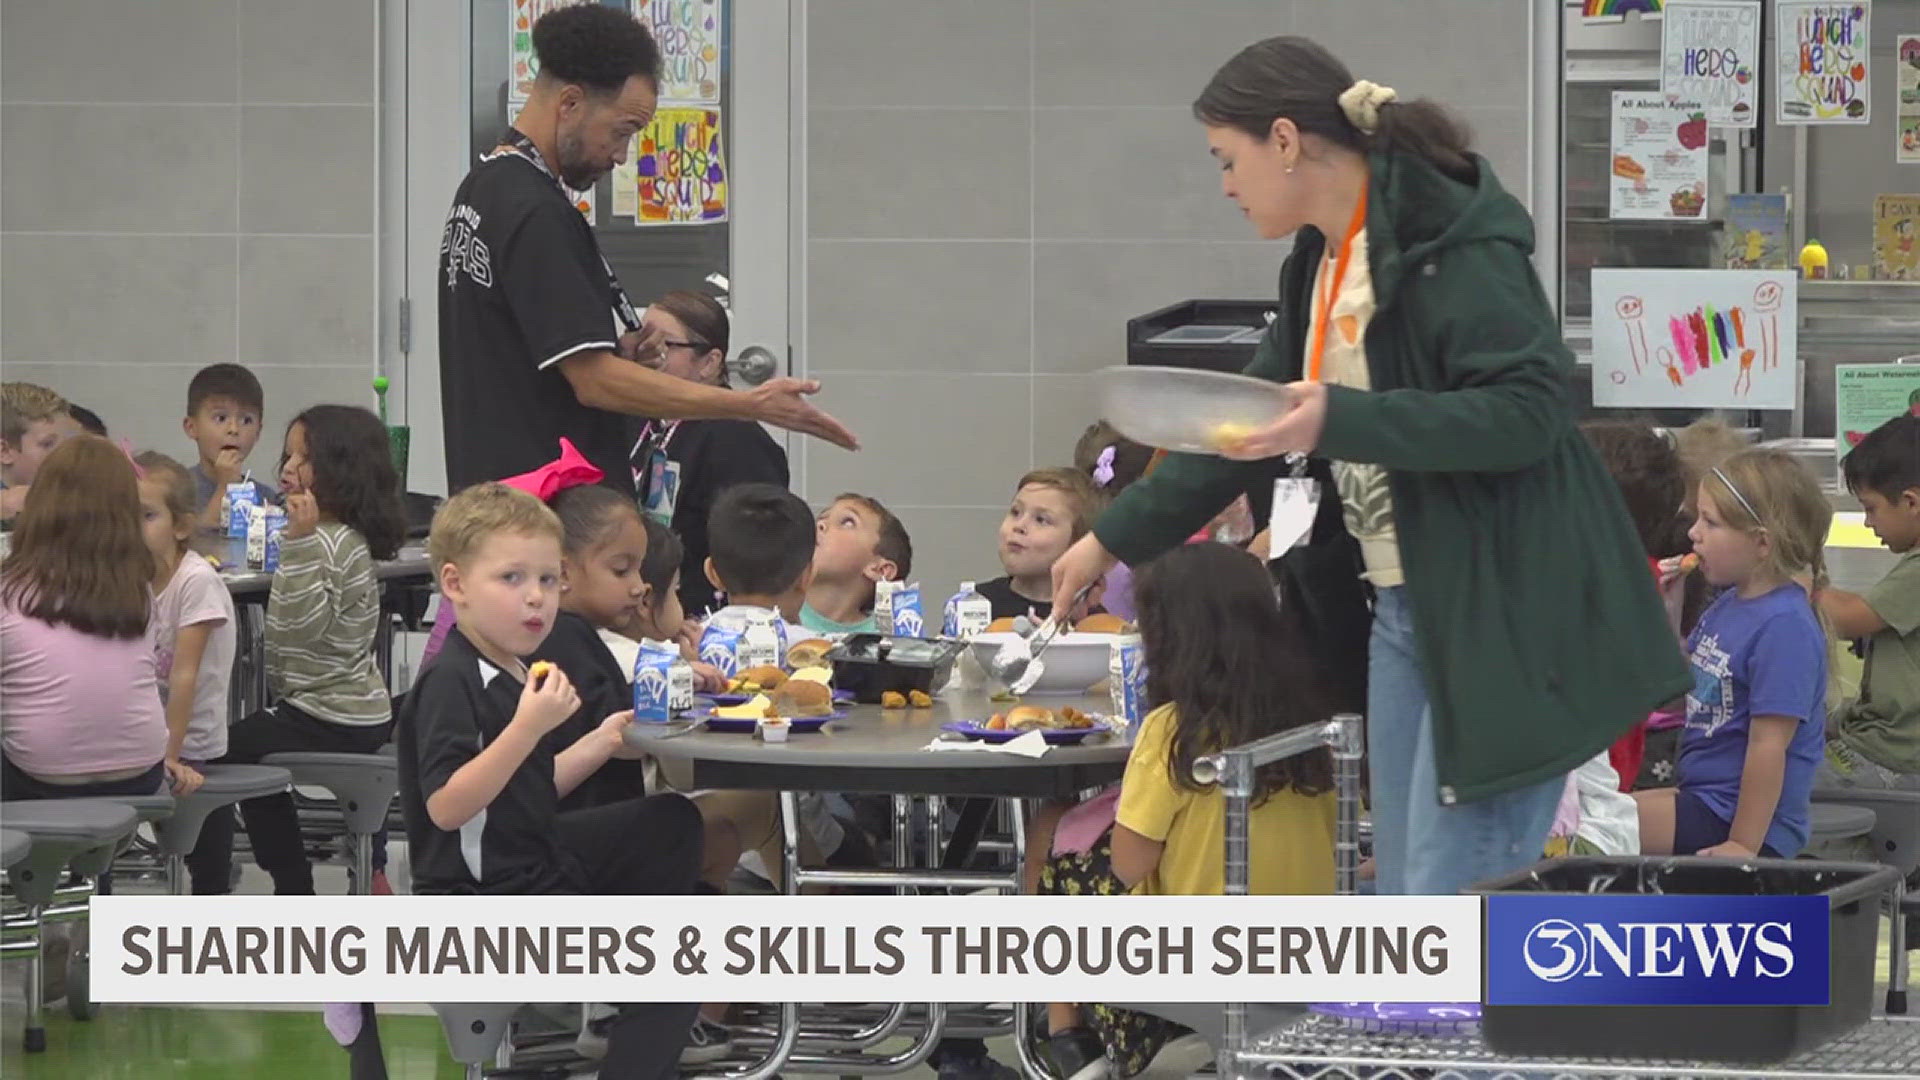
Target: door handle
754, 365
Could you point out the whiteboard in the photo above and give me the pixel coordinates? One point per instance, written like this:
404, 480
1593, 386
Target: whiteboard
1698, 339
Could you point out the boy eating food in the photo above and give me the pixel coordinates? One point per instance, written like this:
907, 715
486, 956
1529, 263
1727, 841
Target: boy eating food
224, 408
480, 788
860, 543
1051, 509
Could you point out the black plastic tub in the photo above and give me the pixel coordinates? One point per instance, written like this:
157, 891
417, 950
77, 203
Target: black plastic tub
868, 665
1745, 1034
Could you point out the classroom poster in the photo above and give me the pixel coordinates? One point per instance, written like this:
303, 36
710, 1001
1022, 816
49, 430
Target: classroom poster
1755, 235
1823, 69
688, 33
1710, 53
1868, 395
523, 66
1906, 127
625, 181
1695, 339
1896, 248
683, 173
1613, 11
1659, 169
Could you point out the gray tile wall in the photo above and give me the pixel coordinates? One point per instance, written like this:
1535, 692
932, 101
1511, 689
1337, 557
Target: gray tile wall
994, 188
185, 182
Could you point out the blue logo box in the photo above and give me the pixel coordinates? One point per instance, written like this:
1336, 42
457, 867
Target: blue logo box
1657, 950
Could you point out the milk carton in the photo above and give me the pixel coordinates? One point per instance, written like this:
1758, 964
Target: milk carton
736, 639
662, 684
968, 613
240, 502
896, 609
276, 528
264, 526
1127, 681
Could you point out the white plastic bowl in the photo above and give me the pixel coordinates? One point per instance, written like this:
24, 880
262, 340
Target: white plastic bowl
1073, 664
1184, 409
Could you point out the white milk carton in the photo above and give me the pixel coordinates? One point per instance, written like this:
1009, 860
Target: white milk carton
662, 684
967, 613
1127, 681
896, 609
241, 500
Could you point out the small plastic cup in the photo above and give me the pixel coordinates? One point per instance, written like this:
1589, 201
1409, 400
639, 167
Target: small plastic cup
774, 729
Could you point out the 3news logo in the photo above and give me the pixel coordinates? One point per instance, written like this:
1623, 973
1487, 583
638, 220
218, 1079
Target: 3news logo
1657, 950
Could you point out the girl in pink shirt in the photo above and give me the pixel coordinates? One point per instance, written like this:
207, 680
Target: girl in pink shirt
82, 711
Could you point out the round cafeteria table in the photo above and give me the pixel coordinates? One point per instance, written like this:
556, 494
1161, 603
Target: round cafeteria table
884, 752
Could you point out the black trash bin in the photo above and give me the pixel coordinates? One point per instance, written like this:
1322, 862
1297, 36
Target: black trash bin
1746, 1034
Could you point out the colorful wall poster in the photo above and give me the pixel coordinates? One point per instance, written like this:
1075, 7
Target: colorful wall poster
1868, 395
1906, 133
1659, 166
683, 174
1710, 53
1896, 237
523, 65
688, 32
1695, 339
1613, 11
1823, 67
1756, 234
625, 182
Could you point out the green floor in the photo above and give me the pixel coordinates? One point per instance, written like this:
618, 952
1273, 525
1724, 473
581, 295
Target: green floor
150, 1043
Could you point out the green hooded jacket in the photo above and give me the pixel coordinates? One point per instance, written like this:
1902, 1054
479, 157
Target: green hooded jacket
1540, 631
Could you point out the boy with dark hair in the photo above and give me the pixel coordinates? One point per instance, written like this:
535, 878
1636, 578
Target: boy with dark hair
1874, 740
480, 784
760, 544
860, 544
225, 406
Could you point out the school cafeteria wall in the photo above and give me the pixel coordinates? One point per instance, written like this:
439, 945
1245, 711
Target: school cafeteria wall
188, 181
993, 188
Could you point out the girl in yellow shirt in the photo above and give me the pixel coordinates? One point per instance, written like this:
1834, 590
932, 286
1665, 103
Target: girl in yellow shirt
1224, 667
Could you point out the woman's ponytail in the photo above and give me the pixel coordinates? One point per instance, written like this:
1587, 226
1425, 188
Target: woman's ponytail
1296, 78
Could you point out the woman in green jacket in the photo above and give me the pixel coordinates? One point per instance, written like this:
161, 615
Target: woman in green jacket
1515, 630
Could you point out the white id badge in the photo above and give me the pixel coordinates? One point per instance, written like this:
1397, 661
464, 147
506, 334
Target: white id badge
1296, 502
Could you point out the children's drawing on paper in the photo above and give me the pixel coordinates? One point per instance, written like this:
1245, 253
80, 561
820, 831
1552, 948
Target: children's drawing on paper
1822, 63
683, 172
1692, 338
688, 33
1613, 11
1710, 54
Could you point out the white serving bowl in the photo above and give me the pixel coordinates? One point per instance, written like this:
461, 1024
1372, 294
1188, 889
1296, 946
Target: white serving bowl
1073, 664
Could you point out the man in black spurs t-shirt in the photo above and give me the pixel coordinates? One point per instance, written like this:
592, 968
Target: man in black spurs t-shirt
537, 339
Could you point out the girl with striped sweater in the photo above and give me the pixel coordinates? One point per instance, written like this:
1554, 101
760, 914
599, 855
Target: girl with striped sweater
343, 514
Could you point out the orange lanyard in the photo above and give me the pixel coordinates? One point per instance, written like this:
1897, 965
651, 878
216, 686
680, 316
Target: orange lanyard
1332, 287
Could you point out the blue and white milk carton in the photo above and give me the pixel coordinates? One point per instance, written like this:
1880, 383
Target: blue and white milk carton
897, 610
1127, 681
264, 528
736, 639
240, 502
662, 683
968, 613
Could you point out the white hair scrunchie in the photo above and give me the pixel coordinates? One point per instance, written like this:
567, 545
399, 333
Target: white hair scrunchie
1361, 102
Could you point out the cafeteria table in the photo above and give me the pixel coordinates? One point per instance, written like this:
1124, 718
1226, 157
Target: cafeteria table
878, 751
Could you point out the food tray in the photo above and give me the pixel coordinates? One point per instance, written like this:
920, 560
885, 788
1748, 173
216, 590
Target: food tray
1404, 1017
1181, 408
840, 697
974, 729
736, 725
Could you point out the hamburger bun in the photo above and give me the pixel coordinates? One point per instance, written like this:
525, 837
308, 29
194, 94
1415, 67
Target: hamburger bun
1000, 626
798, 698
1102, 623
1031, 718
809, 653
765, 677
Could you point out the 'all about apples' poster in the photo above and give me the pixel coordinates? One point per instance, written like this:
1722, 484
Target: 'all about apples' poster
1659, 164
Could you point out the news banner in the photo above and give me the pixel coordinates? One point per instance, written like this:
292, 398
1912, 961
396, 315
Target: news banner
1503, 950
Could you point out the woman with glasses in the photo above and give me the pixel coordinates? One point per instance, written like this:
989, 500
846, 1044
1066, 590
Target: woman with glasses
686, 464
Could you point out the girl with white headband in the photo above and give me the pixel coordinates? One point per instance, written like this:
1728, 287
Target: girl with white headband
1514, 632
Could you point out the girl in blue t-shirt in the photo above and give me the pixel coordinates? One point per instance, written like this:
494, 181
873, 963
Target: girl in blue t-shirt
1755, 716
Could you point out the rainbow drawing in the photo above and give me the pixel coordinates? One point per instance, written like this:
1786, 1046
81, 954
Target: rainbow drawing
1613, 11
1705, 338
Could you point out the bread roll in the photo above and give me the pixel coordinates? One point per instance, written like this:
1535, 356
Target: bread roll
765, 677
1000, 626
1102, 623
809, 653
1031, 718
799, 699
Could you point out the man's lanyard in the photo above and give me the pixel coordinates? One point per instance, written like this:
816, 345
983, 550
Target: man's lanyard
1331, 288
520, 146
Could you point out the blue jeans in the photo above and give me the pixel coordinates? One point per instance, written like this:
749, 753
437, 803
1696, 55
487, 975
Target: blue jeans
1421, 847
